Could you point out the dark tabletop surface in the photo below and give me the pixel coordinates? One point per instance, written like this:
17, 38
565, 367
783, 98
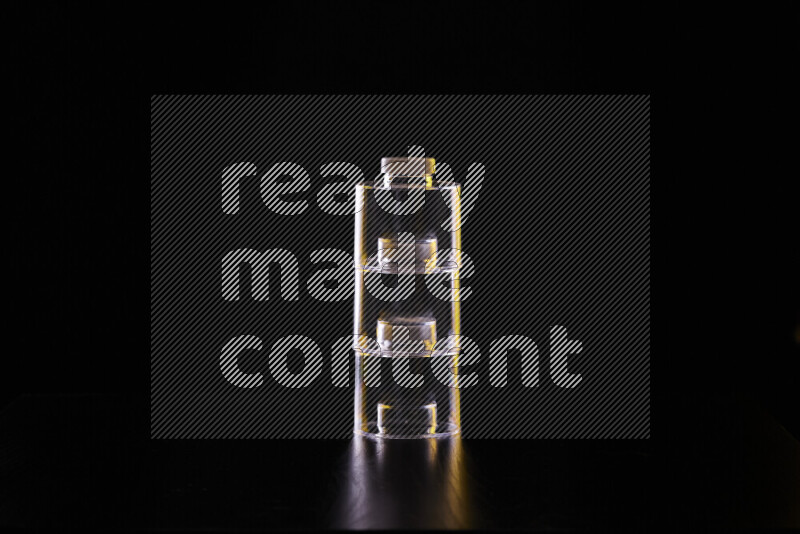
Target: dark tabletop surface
81, 461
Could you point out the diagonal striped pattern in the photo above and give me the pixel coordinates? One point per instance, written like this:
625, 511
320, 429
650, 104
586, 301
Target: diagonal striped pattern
259, 263
332, 284
251, 210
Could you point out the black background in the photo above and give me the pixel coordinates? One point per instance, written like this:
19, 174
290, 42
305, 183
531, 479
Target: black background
726, 234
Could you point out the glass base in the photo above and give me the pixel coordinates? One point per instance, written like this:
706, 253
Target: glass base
442, 431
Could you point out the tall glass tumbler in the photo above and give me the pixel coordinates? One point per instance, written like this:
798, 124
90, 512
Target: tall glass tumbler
407, 310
